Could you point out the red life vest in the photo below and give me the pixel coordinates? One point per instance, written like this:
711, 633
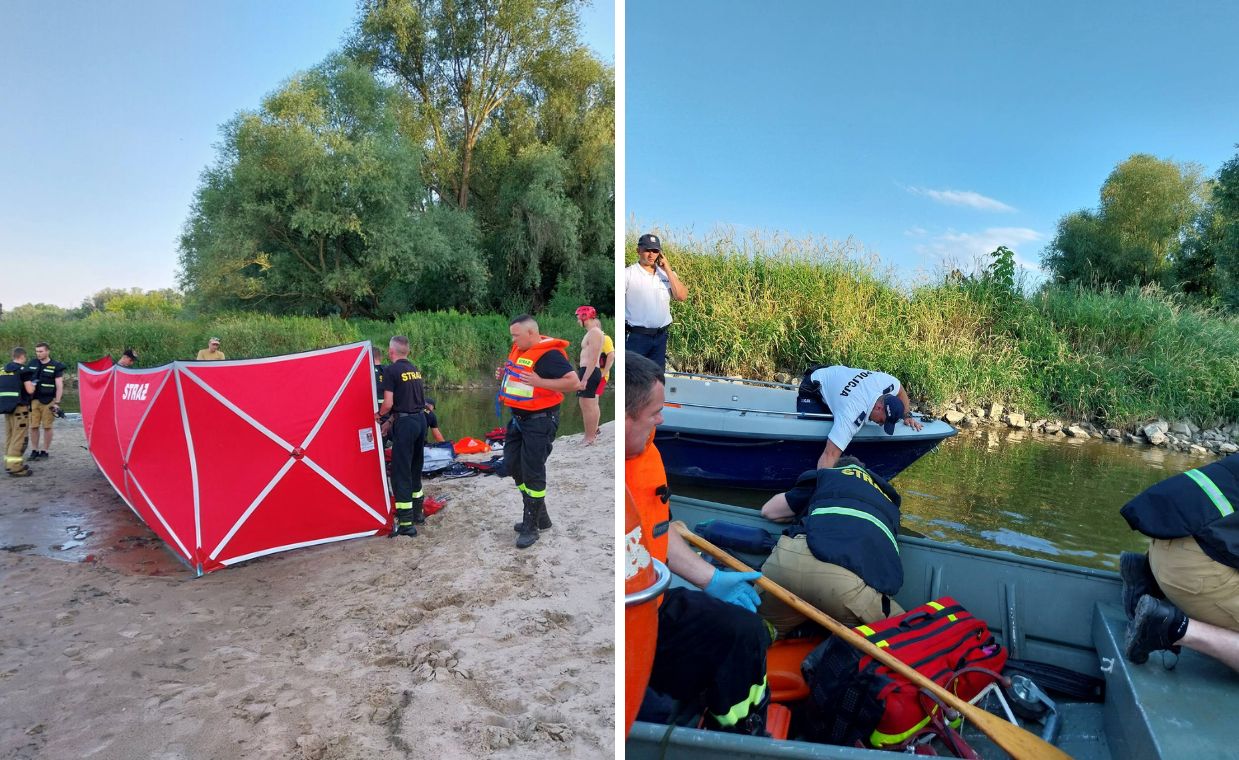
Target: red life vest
646, 480
519, 395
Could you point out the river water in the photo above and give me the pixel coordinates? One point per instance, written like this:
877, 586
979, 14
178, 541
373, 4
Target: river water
1015, 491
466, 412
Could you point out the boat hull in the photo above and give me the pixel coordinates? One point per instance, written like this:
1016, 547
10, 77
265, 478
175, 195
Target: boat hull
751, 434
727, 461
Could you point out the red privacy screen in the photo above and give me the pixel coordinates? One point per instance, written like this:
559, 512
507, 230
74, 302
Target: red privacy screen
227, 461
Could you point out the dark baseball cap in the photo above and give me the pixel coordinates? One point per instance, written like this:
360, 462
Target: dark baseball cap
894, 412
649, 242
131, 354
430, 402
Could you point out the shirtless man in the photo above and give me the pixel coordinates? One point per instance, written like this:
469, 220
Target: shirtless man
589, 372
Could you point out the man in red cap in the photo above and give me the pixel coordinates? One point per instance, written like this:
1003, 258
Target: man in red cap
595, 364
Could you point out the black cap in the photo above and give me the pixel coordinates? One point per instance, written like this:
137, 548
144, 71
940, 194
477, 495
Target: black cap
430, 402
131, 354
649, 242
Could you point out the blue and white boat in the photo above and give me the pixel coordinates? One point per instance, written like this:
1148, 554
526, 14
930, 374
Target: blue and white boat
733, 433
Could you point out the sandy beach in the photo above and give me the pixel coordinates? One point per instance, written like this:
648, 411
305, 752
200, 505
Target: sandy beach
452, 644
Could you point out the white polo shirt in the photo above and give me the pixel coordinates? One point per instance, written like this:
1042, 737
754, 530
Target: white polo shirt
647, 297
850, 394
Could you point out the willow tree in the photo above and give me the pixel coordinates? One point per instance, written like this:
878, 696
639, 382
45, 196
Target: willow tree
316, 206
460, 60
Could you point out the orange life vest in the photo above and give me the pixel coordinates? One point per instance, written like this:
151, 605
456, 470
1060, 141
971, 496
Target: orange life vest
519, 395
640, 620
646, 480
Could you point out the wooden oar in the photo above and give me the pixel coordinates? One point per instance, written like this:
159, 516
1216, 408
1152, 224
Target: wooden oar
1017, 742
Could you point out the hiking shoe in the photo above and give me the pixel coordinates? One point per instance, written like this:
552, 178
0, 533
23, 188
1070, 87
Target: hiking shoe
1156, 625
1138, 580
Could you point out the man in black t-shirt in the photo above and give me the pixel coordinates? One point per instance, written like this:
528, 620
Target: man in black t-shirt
532, 384
432, 422
404, 397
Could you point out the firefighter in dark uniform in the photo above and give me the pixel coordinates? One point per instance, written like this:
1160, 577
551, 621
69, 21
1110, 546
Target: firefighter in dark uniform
404, 398
533, 382
841, 553
711, 644
45, 408
16, 391
1185, 591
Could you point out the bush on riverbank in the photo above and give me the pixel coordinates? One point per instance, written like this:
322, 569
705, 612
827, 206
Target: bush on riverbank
757, 307
449, 347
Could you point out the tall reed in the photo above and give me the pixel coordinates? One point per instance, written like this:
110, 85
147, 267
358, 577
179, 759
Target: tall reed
761, 305
450, 348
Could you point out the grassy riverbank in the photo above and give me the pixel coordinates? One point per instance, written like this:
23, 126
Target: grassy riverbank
756, 308
449, 347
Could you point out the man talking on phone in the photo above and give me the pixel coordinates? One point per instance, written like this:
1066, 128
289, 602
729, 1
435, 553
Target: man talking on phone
650, 286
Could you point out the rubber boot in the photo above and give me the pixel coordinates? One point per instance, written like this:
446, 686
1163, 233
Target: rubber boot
419, 514
529, 526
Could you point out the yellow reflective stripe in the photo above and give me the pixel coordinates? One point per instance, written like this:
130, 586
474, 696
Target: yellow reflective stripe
403, 505
862, 515
935, 605
865, 630
521, 487
417, 495
1212, 491
882, 643
952, 618
12, 459
536, 494
879, 739
741, 709
8, 393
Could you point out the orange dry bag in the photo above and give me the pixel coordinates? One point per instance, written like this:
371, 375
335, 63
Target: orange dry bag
645, 579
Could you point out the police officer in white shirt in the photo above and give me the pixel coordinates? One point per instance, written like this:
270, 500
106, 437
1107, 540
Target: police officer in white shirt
649, 287
852, 396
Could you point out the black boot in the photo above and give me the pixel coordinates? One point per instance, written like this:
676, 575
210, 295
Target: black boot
404, 523
1138, 580
419, 514
1157, 625
544, 519
529, 526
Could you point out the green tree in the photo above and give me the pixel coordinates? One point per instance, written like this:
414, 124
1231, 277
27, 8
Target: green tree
537, 236
316, 206
460, 61
1226, 208
1146, 206
38, 311
138, 303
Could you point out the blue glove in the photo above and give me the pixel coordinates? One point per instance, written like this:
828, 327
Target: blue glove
734, 588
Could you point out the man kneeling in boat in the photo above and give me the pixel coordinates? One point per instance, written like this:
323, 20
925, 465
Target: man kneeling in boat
852, 396
710, 644
841, 555
1185, 591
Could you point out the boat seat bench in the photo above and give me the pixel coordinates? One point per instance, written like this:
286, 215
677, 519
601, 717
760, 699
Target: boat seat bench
1151, 712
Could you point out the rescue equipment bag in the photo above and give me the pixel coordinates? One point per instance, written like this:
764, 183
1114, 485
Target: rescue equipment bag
854, 697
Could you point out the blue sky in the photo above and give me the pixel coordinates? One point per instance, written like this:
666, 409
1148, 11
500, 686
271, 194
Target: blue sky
928, 132
109, 112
